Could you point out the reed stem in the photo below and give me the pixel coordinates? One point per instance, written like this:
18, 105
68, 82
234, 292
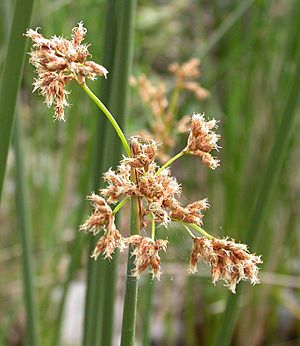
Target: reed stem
130, 302
24, 224
95, 327
11, 77
118, 104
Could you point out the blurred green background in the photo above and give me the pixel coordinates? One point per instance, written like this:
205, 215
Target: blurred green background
249, 53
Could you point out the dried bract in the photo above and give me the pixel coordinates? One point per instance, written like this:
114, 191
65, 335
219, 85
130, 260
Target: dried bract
57, 61
202, 140
146, 254
108, 243
102, 218
229, 261
119, 183
192, 213
142, 154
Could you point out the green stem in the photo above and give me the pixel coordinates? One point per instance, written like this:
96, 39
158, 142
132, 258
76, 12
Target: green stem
11, 77
174, 100
172, 159
109, 117
199, 229
189, 231
107, 154
130, 302
118, 103
152, 227
225, 27
25, 233
121, 205
148, 296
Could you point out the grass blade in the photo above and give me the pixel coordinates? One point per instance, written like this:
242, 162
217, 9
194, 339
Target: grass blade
217, 35
11, 77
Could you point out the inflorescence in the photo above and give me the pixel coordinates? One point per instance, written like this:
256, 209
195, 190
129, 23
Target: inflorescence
157, 192
58, 61
163, 103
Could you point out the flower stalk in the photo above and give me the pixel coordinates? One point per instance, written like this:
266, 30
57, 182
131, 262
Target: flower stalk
109, 116
168, 163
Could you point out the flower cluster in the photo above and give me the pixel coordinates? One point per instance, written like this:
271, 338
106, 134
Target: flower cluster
146, 254
102, 218
165, 124
57, 61
158, 193
155, 96
186, 74
229, 261
202, 140
158, 190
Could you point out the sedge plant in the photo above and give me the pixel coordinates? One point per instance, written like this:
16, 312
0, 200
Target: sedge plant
153, 192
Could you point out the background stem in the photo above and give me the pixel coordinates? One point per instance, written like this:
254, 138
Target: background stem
118, 104
94, 329
270, 179
11, 77
24, 225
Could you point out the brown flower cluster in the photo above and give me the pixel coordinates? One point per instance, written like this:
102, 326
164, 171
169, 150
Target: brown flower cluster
164, 124
229, 261
57, 61
154, 95
192, 213
145, 249
102, 218
185, 77
202, 140
163, 120
158, 192
146, 254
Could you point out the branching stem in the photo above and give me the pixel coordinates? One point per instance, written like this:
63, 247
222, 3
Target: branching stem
189, 231
109, 116
172, 159
121, 204
195, 227
152, 227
